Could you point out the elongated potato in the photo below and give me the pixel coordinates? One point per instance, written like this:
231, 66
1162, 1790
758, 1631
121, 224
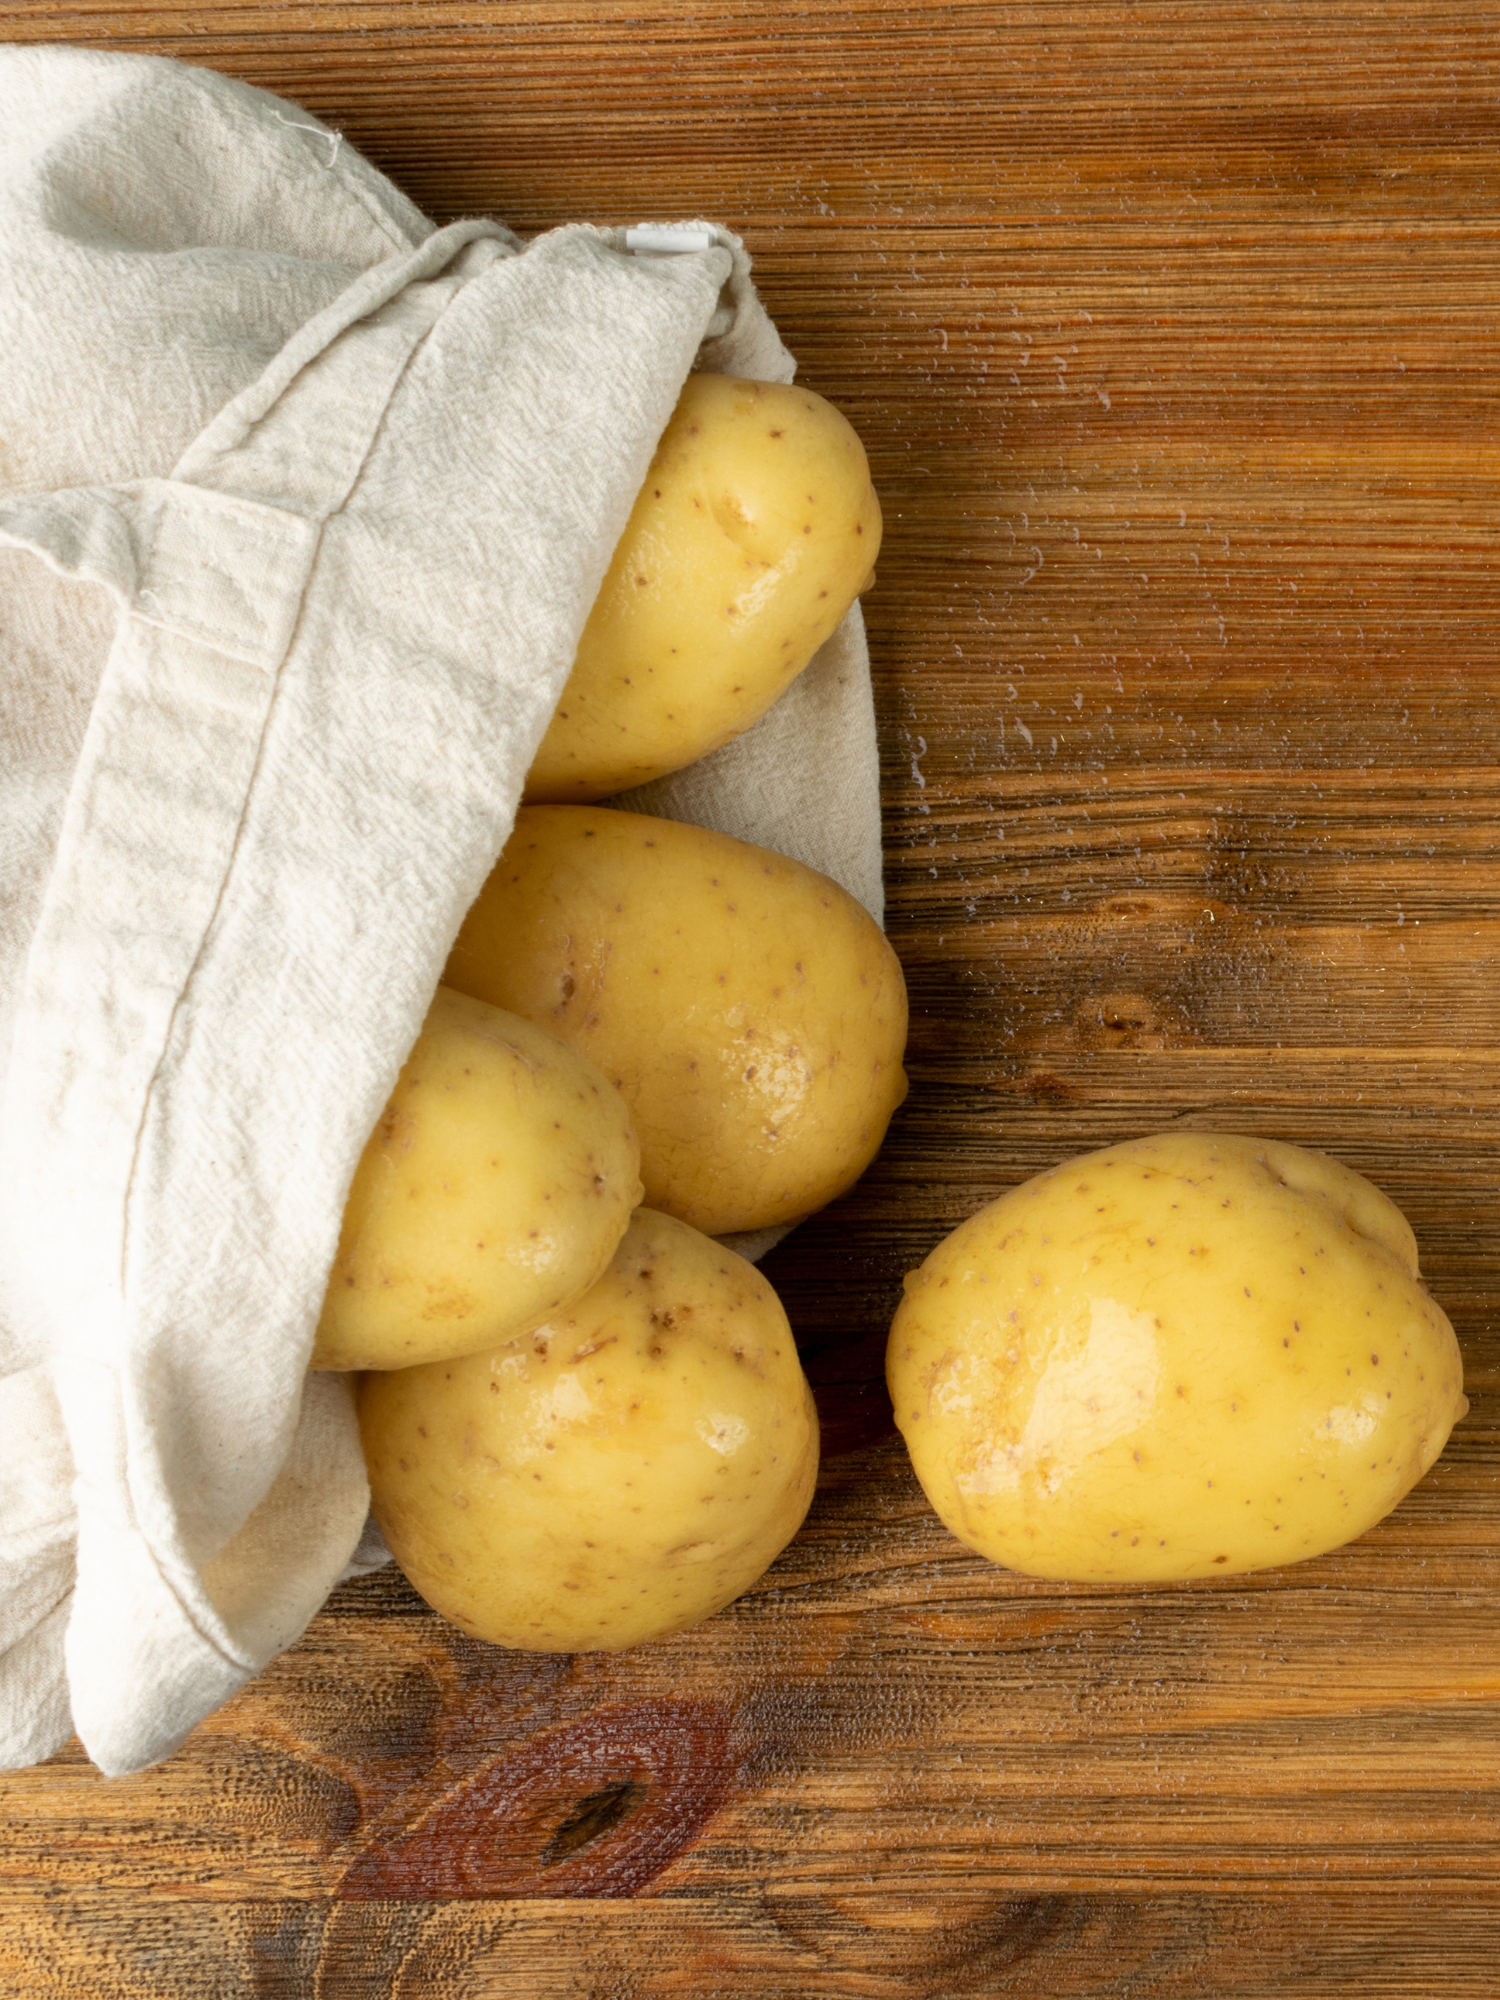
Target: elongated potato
1184, 1356
749, 1011
754, 531
494, 1190
628, 1468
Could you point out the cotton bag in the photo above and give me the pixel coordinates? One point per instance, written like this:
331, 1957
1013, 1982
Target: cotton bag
303, 504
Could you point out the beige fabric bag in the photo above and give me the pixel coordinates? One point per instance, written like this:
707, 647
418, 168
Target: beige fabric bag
303, 503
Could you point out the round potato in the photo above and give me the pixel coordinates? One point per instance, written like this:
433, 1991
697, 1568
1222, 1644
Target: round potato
749, 1011
1185, 1356
495, 1189
756, 528
627, 1469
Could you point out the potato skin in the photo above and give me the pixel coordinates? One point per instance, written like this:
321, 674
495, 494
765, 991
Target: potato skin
749, 1011
624, 1471
495, 1188
753, 533
1184, 1356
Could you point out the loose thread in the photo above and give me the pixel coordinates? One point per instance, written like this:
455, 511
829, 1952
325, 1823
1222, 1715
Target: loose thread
317, 131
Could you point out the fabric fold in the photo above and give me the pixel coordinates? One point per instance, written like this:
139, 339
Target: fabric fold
36, 1568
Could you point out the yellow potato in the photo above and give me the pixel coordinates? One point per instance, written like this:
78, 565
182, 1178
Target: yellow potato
751, 1014
627, 1469
495, 1188
756, 528
1185, 1356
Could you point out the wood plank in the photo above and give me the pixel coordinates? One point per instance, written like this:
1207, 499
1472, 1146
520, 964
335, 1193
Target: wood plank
1170, 329
1174, 1948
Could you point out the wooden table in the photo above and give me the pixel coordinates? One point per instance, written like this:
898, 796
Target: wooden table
1171, 329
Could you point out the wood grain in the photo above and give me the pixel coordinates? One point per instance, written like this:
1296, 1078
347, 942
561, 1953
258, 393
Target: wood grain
1170, 329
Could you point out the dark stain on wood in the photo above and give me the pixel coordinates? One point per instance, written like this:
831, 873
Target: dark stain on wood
595, 1808
600, 1813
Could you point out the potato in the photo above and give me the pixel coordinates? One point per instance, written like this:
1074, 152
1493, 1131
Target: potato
751, 1013
754, 531
630, 1467
1185, 1356
494, 1190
